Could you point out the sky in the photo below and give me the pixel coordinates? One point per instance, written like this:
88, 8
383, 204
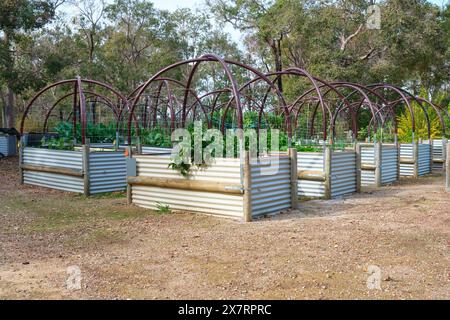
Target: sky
172, 5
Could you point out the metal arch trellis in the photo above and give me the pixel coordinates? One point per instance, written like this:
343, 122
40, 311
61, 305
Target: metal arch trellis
79, 101
236, 94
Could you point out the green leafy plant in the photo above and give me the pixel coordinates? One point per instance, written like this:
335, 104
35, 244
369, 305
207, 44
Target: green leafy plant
57, 143
163, 208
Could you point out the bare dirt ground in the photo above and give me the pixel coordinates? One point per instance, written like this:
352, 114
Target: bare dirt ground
321, 251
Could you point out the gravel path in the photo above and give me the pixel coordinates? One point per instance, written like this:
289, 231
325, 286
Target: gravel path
322, 251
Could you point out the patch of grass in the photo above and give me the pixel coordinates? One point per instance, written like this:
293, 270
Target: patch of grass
163, 208
97, 237
110, 195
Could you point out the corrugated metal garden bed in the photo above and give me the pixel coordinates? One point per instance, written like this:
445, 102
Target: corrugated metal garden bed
228, 187
327, 174
81, 171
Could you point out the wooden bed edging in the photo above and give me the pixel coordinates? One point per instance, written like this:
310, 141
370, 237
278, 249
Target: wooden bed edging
312, 175
50, 169
194, 185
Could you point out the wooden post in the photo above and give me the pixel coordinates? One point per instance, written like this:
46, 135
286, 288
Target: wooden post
247, 188
22, 146
86, 153
378, 159
416, 159
138, 146
327, 172
358, 149
431, 143
397, 146
294, 178
117, 140
444, 153
129, 190
447, 167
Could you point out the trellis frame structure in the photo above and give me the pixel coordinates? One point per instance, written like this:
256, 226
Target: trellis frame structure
82, 170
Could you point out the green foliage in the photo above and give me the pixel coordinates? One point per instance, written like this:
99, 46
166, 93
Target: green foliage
155, 137
57, 143
405, 125
163, 208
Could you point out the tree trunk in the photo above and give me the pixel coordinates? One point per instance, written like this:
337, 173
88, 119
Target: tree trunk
10, 111
94, 111
3, 124
278, 63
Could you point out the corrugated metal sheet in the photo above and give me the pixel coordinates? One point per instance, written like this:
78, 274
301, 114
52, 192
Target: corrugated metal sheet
271, 189
55, 158
368, 158
222, 170
8, 145
438, 154
424, 159
310, 161
389, 163
406, 152
156, 150
343, 173
107, 172
54, 181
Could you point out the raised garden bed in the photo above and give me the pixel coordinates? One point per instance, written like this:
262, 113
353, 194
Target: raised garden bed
415, 159
379, 164
328, 174
81, 171
8, 145
228, 187
439, 147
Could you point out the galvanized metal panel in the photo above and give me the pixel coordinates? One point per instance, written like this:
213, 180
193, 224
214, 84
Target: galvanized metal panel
438, 154
188, 200
107, 172
424, 159
54, 181
53, 158
271, 185
368, 158
155, 150
310, 161
343, 173
389, 163
8, 145
222, 170
406, 152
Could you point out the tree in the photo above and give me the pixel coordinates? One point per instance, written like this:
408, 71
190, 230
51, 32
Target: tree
269, 22
18, 17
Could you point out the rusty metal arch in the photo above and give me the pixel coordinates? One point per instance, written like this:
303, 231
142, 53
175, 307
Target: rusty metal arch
107, 102
403, 97
78, 96
206, 58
